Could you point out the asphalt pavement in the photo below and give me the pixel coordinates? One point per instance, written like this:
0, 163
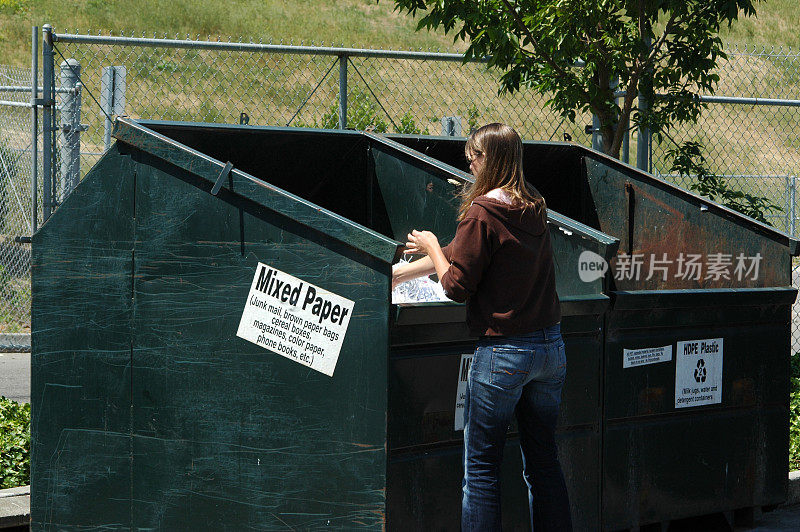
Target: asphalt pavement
15, 376
783, 519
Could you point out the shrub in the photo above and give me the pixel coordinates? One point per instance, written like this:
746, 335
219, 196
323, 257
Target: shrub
15, 443
363, 114
688, 160
794, 414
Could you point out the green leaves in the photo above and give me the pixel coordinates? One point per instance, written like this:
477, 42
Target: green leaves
689, 162
15, 443
364, 114
794, 413
666, 49
537, 43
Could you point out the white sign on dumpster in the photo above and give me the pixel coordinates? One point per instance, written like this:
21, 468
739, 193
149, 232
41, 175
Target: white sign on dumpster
647, 355
295, 319
461, 390
698, 372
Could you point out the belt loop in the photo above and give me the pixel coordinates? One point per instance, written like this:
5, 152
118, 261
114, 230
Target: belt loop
544, 333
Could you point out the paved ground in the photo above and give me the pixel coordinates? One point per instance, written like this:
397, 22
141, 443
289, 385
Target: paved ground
780, 520
15, 376
783, 519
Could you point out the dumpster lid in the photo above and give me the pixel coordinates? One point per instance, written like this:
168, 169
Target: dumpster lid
565, 224
792, 243
260, 192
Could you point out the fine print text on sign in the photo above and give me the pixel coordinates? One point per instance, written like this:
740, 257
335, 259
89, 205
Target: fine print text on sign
647, 355
461, 391
295, 319
698, 372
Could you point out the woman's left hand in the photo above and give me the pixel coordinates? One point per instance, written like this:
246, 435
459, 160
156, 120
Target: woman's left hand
421, 242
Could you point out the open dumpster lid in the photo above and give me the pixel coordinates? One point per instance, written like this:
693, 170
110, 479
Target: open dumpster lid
164, 140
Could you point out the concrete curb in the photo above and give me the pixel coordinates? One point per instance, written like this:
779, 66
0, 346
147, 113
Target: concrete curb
15, 507
15, 343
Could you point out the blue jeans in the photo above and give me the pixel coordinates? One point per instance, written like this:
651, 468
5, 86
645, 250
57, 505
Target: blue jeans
520, 375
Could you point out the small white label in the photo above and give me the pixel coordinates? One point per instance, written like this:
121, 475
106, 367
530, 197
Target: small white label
647, 355
295, 319
461, 391
698, 372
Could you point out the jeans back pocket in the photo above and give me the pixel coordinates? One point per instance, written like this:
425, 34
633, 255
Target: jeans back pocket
510, 366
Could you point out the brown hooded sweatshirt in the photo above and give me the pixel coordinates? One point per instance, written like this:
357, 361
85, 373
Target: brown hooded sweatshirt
501, 264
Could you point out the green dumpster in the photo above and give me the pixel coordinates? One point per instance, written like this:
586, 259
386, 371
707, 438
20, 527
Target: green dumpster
696, 339
214, 344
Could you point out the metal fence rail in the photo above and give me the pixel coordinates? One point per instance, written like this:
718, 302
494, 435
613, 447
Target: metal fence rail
749, 127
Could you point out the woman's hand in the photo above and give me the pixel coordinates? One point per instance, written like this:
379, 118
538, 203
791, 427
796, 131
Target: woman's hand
427, 243
422, 242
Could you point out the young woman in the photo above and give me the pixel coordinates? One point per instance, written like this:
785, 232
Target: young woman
501, 263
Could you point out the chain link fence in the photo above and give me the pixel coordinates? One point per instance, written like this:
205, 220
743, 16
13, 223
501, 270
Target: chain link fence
752, 140
274, 86
16, 153
754, 143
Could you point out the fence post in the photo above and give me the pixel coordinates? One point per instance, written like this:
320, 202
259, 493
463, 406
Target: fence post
645, 138
112, 97
793, 224
451, 126
34, 125
70, 126
643, 142
342, 91
48, 129
626, 148
597, 139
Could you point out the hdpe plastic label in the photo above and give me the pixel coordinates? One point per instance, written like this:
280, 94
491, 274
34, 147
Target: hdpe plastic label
295, 319
647, 355
461, 390
698, 372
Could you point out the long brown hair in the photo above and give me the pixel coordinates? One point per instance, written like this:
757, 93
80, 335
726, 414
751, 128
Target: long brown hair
502, 149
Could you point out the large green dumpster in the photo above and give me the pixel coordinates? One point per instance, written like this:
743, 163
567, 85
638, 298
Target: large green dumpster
697, 338
214, 345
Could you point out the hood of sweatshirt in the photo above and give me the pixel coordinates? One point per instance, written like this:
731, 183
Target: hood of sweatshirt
530, 219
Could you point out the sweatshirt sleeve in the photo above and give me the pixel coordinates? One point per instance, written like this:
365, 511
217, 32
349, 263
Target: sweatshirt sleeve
446, 250
469, 254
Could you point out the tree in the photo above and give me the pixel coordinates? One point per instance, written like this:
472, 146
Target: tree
581, 52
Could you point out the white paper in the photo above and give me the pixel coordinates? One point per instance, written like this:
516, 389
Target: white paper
419, 290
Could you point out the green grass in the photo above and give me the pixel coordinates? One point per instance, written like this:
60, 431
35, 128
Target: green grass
357, 23
776, 24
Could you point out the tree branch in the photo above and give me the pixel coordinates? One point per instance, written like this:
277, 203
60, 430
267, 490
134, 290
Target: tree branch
525, 31
655, 49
